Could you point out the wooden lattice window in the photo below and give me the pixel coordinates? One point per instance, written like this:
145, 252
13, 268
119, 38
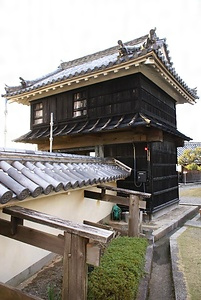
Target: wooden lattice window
38, 113
79, 104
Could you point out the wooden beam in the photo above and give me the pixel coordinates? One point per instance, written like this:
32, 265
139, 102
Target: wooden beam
33, 237
86, 231
124, 191
103, 226
8, 293
140, 134
106, 197
75, 268
112, 198
133, 223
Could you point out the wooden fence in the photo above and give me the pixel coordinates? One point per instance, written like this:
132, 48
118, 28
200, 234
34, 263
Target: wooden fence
77, 244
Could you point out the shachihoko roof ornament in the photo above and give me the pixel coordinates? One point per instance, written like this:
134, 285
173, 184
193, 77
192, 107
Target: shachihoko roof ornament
151, 42
148, 43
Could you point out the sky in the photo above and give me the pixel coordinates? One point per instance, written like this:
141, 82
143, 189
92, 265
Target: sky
36, 35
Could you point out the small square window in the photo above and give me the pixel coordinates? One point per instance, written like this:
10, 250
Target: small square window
38, 113
80, 104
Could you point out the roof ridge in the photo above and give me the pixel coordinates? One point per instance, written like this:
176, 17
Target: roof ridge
69, 64
104, 59
99, 54
20, 153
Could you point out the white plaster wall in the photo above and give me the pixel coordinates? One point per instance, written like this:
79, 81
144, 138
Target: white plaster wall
16, 257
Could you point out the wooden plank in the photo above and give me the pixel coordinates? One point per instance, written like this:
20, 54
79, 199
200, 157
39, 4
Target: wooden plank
86, 231
93, 255
66, 266
133, 224
103, 226
112, 198
8, 293
124, 191
95, 139
33, 237
75, 268
106, 197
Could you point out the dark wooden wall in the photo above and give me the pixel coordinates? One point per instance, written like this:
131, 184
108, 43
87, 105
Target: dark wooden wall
156, 103
162, 177
130, 94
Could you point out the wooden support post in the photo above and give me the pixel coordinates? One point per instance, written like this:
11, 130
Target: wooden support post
133, 225
75, 268
14, 223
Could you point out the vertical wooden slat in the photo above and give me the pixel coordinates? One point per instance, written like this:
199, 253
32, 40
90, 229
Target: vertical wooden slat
14, 223
66, 259
75, 268
133, 226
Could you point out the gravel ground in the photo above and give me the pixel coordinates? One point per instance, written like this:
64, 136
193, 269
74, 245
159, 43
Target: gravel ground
50, 277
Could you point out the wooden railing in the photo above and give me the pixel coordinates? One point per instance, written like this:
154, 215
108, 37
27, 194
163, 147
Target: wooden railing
133, 199
77, 244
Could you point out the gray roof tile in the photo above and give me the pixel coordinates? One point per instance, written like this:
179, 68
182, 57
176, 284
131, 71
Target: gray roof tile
102, 124
101, 61
26, 173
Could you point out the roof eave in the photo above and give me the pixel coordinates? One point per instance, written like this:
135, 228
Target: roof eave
149, 64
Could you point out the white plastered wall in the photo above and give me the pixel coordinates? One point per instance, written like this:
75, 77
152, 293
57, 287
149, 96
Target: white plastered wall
15, 257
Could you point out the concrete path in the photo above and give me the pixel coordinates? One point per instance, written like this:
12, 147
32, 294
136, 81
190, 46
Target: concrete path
162, 280
161, 284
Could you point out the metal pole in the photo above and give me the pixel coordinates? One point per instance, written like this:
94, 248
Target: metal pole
184, 173
5, 123
51, 131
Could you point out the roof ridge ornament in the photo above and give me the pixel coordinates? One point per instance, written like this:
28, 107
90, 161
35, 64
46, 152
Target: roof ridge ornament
150, 42
151, 39
126, 50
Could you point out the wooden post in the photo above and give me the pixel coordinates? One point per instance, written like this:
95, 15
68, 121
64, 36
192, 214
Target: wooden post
133, 225
75, 268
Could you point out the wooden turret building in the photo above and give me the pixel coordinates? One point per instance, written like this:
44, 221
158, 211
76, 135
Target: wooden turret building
119, 102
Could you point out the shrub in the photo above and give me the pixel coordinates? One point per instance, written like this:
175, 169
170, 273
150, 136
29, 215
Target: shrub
120, 270
192, 166
52, 295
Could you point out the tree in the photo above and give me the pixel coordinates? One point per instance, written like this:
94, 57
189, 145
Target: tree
191, 159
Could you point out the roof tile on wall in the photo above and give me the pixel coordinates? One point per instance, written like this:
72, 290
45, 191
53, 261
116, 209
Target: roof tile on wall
25, 173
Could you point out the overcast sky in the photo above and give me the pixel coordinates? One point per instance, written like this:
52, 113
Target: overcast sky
36, 35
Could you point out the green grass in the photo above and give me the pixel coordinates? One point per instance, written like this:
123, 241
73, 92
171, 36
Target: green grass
189, 249
120, 271
191, 192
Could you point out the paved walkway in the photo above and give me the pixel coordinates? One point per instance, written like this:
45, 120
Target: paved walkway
166, 282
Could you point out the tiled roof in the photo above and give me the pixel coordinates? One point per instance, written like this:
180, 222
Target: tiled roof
27, 173
104, 60
100, 125
188, 146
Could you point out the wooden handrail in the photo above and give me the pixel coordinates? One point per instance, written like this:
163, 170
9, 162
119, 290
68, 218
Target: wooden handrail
86, 231
124, 191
